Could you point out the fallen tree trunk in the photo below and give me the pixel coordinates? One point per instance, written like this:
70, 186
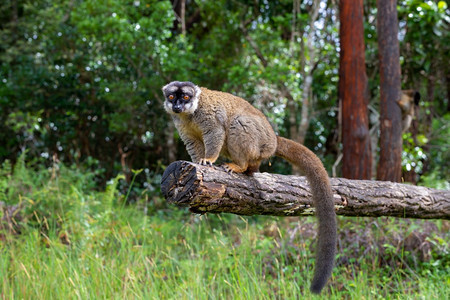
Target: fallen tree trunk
210, 189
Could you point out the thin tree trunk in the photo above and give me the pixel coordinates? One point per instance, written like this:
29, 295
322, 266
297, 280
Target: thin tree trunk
308, 75
389, 166
15, 13
448, 89
183, 17
304, 121
428, 119
170, 142
353, 92
292, 108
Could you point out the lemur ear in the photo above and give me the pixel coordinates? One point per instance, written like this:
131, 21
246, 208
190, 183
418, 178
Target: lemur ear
416, 97
171, 87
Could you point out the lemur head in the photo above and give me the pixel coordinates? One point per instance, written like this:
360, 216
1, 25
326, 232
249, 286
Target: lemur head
181, 97
408, 98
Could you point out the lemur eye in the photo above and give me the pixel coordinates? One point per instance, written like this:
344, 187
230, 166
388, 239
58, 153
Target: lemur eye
186, 97
171, 97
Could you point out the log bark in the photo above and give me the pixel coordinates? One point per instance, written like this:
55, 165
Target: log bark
210, 189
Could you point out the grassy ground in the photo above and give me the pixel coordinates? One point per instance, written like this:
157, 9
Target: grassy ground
69, 241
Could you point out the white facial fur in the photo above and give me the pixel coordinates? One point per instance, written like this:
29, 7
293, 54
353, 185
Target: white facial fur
168, 107
191, 107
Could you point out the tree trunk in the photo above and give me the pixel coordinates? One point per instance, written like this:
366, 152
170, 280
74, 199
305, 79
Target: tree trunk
353, 92
206, 189
171, 147
183, 17
14, 18
307, 74
428, 118
389, 166
448, 89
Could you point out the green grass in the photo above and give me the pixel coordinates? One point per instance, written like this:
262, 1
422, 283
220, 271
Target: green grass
74, 242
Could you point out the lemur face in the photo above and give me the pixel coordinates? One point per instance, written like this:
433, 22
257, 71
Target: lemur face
181, 97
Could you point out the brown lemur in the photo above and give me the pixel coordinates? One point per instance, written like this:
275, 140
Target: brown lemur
408, 102
213, 123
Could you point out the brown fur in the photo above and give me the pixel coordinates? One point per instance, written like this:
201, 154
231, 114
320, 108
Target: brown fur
227, 125
407, 102
311, 165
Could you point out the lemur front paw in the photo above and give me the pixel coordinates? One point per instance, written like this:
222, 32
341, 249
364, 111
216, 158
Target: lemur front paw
206, 162
227, 168
233, 168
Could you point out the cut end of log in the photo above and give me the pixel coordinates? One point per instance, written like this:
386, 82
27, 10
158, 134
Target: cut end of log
177, 182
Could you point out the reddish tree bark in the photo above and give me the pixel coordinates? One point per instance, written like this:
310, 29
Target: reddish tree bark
357, 159
389, 166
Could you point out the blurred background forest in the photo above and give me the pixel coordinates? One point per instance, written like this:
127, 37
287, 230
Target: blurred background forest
81, 111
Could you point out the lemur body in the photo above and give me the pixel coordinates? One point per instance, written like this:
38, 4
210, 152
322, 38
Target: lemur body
213, 123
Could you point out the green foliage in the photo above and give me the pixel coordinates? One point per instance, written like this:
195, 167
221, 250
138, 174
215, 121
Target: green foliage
85, 73
439, 147
413, 154
439, 168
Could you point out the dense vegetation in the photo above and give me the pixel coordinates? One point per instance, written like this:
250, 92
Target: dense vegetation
84, 140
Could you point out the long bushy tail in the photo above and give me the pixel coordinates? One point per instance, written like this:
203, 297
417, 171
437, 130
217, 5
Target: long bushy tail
319, 182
